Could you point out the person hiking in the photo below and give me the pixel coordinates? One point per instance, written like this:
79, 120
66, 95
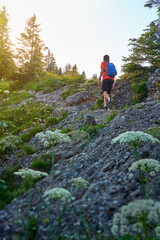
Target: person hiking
107, 73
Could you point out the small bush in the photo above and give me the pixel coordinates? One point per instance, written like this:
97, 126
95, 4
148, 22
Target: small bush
99, 103
17, 97
140, 92
92, 130
28, 149
154, 131
8, 174
111, 117
66, 130
52, 121
94, 107
25, 137
41, 165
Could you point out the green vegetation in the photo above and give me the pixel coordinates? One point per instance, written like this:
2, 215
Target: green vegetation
98, 104
41, 165
66, 129
25, 116
93, 130
140, 92
27, 149
111, 117
154, 131
29, 133
17, 97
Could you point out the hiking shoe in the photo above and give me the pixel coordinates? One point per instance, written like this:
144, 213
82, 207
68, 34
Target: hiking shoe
105, 107
110, 100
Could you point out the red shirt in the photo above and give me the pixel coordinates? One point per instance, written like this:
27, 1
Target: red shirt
104, 76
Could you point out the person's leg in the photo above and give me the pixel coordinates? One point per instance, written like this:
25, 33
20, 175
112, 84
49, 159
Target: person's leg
106, 96
105, 100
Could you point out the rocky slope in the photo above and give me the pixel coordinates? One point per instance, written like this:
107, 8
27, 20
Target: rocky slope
102, 164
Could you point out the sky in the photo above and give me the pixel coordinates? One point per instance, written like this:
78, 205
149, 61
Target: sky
81, 32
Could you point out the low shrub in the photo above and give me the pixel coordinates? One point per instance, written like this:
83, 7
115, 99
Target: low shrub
111, 117
92, 130
31, 133
27, 149
41, 165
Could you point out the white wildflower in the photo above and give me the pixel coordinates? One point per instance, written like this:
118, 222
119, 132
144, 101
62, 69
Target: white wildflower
115, 230
146, 164
137, 227
6, 91
134, 138
27, 173
152, 173
49, 137
124, 229
131, 216
79, 182
116, 219
9, 141
58, 194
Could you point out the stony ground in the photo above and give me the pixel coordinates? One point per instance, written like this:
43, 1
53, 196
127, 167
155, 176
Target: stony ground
102, 164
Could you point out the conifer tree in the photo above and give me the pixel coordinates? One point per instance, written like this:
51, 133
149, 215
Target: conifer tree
75, 70
60, 71
31, 51
153, 3
94, 76
145, 56
68, 68
51, 65
83, 74
7, 65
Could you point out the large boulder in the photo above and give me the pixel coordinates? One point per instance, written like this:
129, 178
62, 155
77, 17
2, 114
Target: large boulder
78, 98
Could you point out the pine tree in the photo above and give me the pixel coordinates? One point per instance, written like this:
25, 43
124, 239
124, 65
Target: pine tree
94, 76
60, 71
51, 65
7, 65
84, 74
152, 3
31, 52
145, 56
68, 68
74, 70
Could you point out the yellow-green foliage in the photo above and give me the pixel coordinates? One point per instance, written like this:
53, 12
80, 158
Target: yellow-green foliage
17, 97
154, 131
50, 82
29, 115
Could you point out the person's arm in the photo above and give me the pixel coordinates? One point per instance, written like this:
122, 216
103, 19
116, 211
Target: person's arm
101, 73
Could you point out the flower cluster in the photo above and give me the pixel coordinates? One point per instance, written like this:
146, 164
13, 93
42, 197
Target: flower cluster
58, 194
9, 141
27, 173
79, 182
131, 217
134, 138
78, 135
146, 165
48, 138
6, 91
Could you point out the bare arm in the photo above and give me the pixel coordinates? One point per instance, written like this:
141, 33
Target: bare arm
101, 73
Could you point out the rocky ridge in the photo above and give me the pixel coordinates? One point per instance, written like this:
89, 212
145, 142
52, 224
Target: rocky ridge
102, 164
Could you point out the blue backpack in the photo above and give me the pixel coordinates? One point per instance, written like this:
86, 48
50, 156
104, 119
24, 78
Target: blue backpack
110, 70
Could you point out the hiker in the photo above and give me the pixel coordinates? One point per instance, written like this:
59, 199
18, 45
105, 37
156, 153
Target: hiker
108, 73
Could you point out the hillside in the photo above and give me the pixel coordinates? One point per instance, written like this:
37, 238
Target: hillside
90, 154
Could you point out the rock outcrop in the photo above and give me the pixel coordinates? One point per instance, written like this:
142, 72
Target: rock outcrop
104, 165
